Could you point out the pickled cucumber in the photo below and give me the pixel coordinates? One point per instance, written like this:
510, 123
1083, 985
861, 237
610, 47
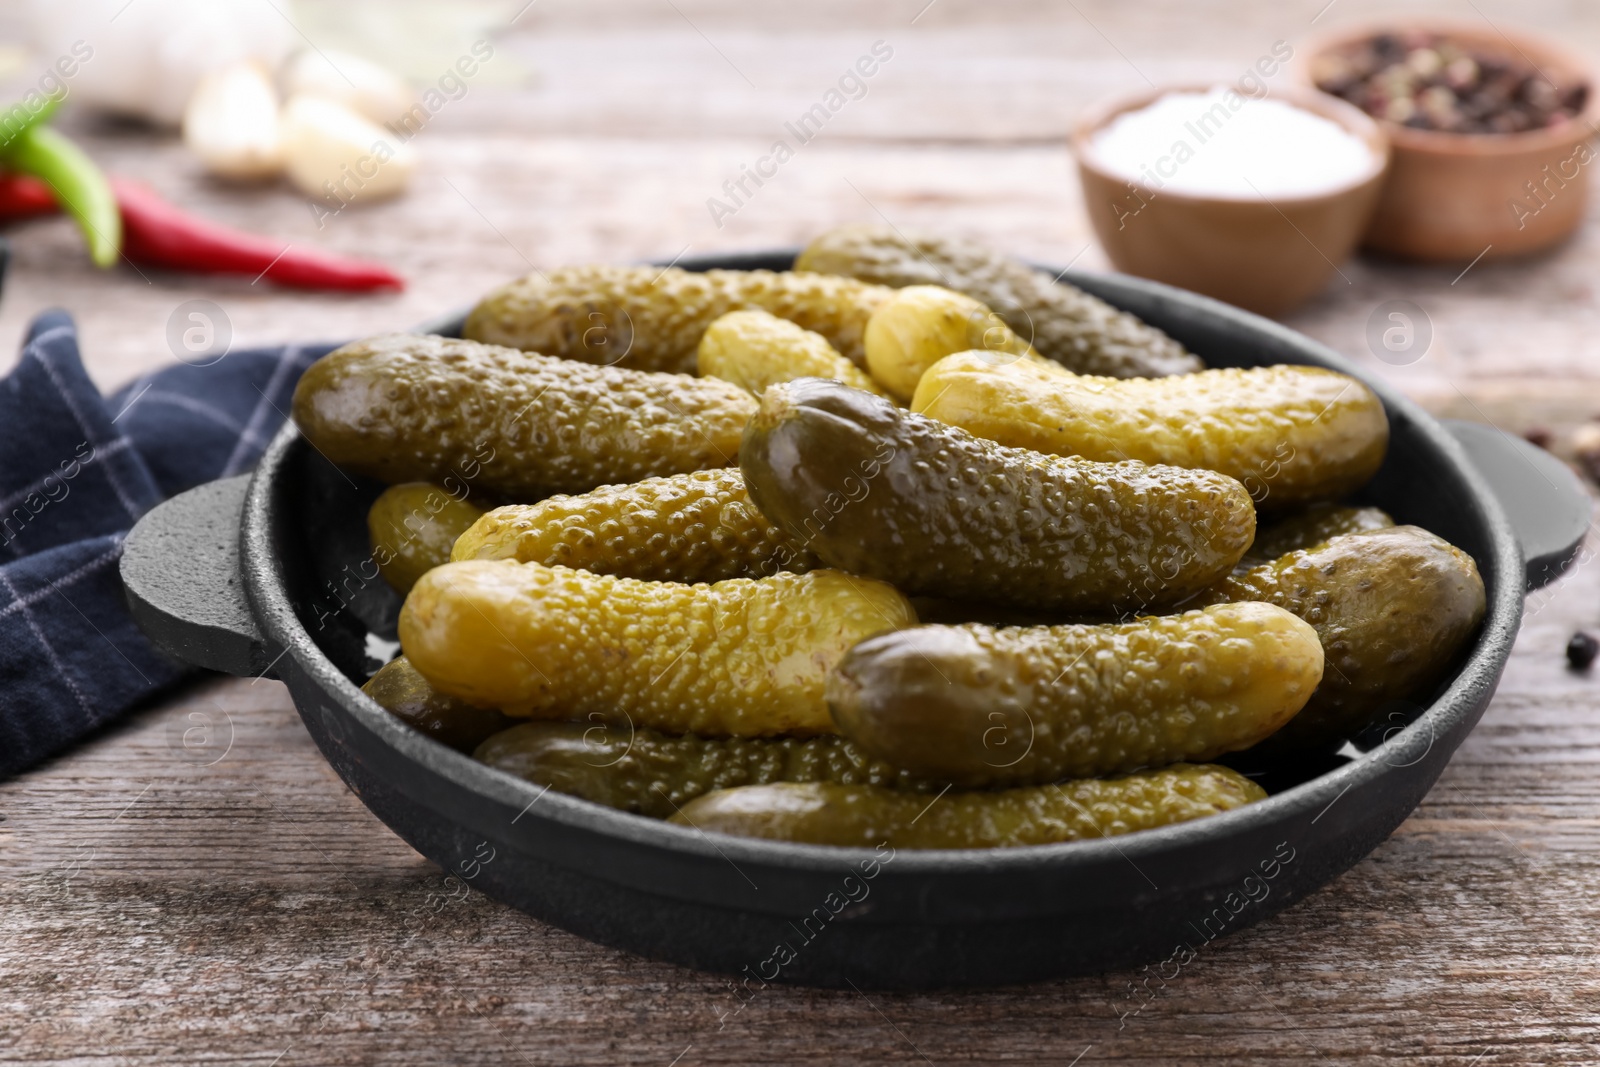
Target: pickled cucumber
651, 318
698, 527
823, 813
875, 490
1065, 324
651, 773
1393, 609
1314, 525
1290, 434
413, 527
404, 693
744, 657
411, 407
921, 324
754, 349
979, 705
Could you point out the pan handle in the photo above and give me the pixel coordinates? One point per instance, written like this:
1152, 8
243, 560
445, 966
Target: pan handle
180, 569
1548, 506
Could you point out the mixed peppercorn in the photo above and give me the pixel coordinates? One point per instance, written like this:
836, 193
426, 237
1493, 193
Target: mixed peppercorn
1427, 81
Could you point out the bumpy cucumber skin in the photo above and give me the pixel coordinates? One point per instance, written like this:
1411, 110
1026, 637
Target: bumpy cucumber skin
1065, 324
740, 658
413, 526
755, 349
1393, 609
823, 813
875, 490
651, 773
1292, 435
652, 319
413, 407
921, 324
1314, 525
698, 527
979, 705
403, 692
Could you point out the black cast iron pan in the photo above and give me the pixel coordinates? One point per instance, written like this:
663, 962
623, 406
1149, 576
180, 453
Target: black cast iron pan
271, 573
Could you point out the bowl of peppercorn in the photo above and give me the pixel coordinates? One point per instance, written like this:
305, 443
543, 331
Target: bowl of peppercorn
1489, 128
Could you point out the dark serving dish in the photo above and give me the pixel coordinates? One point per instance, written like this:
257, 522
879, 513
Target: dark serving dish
271, 573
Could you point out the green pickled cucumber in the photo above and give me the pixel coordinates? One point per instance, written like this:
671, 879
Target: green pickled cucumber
755, 349
1314, 525
402, 691
698, 527
875, 490
745, 657
979, 705
652, 318
414, 407
1393, 609
1292, 435
651, 773
1065, 324
413, 527
823, 813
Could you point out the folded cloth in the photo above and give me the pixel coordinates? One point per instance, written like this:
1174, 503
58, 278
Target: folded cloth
76, 471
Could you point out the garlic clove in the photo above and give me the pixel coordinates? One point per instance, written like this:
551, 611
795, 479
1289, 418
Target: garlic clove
231, 123
359, 84
334, 154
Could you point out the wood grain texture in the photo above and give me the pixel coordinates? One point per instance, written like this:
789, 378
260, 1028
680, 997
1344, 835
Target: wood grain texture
244, 907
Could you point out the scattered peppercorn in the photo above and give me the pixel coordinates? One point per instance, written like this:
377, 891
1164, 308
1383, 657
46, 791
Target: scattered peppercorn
1428, 82
1581, 649
1538, 435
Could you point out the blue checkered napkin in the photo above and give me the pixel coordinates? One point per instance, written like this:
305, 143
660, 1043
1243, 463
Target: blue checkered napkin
76, 471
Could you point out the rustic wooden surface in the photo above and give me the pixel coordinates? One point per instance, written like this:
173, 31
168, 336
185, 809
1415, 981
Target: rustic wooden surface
251, 910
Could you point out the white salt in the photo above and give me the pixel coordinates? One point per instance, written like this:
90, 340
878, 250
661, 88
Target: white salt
1223, 143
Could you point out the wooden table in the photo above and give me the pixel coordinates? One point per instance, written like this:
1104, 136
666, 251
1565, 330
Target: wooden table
252, 911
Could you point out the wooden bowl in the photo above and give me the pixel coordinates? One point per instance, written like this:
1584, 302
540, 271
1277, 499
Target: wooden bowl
1262, 255
1452, 197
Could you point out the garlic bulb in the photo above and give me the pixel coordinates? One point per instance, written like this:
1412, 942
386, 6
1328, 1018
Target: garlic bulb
148, 56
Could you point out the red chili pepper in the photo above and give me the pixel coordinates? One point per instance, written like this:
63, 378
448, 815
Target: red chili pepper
22, 197
157, 234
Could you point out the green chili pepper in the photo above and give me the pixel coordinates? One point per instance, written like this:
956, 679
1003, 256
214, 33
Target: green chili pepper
20, 117
78, 185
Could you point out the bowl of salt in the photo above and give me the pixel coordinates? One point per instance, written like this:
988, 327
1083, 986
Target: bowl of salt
1251, 198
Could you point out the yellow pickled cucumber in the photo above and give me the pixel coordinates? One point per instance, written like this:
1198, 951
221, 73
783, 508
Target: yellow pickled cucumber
1290, 434
698, 527
977, 705
824, 813
413, 407
404, 693
921, 324
1064, 323
651, 318
654, 774
1393, 609
755, 349
745, 657
413, 527
1310, 527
